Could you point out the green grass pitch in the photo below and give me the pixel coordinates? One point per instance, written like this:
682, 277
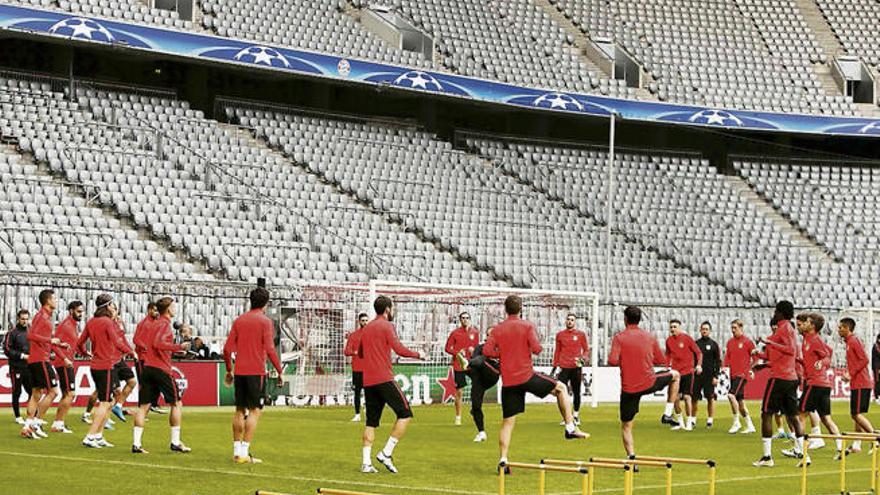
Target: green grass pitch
304, 449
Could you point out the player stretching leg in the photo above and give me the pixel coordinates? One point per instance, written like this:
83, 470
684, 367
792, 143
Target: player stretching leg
460, 345
570, 355
66, 332
252, 340
42, 374
357, 365
123, 373
738, 360
858, 374
484, 373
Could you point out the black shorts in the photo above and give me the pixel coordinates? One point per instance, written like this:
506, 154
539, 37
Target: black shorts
460, 379
357, 379
382, 394
123, 372
629, 402
780, 397
513, 399
859, 400
249, 391
155, 382
738, 387
66, 378
105, 384
816, 399
42, 375
687, 384
703, 387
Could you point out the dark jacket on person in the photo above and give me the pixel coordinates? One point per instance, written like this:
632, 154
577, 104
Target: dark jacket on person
711, 357
15, 345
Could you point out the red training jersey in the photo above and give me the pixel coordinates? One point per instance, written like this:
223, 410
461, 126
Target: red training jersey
161, 345
252, 339
107, 345
857, 364
462, 339
40, 337
571, 345
120, 331
636, 352
781, 352
683, 353
514, 341
815, 351
375, 343
142, 336
66, 333
738, 356
351, 349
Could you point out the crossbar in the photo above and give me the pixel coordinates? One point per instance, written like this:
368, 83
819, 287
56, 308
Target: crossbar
585, 469
846, 436
648, 463
676, 460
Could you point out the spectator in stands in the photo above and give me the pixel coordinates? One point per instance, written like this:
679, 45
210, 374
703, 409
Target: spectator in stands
184, 333
201, 350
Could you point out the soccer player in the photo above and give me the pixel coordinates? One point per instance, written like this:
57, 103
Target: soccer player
858, 375
123, 373
16, 347
44, 383
636, 352
816, 395
738, 360
252, 340
780, 395
156, 378
357, 365
514, 341
484, 373
875, 366
374, 345
103, 332
66, 332
461, 341
570, 355
683, 354
708, 379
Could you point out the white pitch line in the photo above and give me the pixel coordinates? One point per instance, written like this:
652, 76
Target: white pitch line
243, 473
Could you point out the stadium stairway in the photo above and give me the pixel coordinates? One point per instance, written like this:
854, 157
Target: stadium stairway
828, 41
580, 42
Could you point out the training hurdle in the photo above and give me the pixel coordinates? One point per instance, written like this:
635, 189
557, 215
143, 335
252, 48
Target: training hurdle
680, 460
623, 462
845, 437
585, 469
331, 491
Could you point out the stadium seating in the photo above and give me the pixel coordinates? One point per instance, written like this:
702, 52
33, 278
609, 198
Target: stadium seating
855, 22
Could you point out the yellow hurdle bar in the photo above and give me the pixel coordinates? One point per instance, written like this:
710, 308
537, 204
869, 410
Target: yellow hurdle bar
679, 460
331, 491
264, 492
585, 469
632, 462
846, 437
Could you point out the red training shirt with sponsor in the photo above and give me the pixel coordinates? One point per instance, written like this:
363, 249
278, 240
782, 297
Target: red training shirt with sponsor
636, 352
40, 337
161, 345
738, 356
142, 336
815, 350
120, 330
252, 339
781, 352
571, 345
682, 353
375, 343
857, 364
66, 333
107, 345
351, 349
514, 341
462, 339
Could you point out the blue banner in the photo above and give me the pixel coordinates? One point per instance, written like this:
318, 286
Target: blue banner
226, 50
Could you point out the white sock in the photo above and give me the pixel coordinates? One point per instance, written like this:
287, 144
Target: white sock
577, 414
857, 444
839, 443
57, 424
503, 460
99, 436
816, 430
389, 446
236, 448
768, 446
692, 420
175, 435
458, 418
367, 456
679, 419
29, 423
569, 427
781, 430
736, 421
710, 421
799, 445
668, 410
245, 449
138, 433
749, 422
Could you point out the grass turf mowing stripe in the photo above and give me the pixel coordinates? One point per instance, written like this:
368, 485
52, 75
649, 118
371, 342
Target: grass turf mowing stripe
241, 473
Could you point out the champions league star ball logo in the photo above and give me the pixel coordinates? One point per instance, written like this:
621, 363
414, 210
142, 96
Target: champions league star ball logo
557, 100
716, 117
417, 79
78, 27
343, 68
262, 55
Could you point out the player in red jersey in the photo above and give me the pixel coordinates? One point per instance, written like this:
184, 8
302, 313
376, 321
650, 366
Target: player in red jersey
637, 352
686, 358
66, 332
122, 374
571, 354
156, 377
858, 374
102, 331
780, 396
514, 341
357, 364
738, 360
43, 380
460, 345
374, 346
252, 340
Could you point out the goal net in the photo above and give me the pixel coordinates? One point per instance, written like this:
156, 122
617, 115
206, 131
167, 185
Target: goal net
316, 327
